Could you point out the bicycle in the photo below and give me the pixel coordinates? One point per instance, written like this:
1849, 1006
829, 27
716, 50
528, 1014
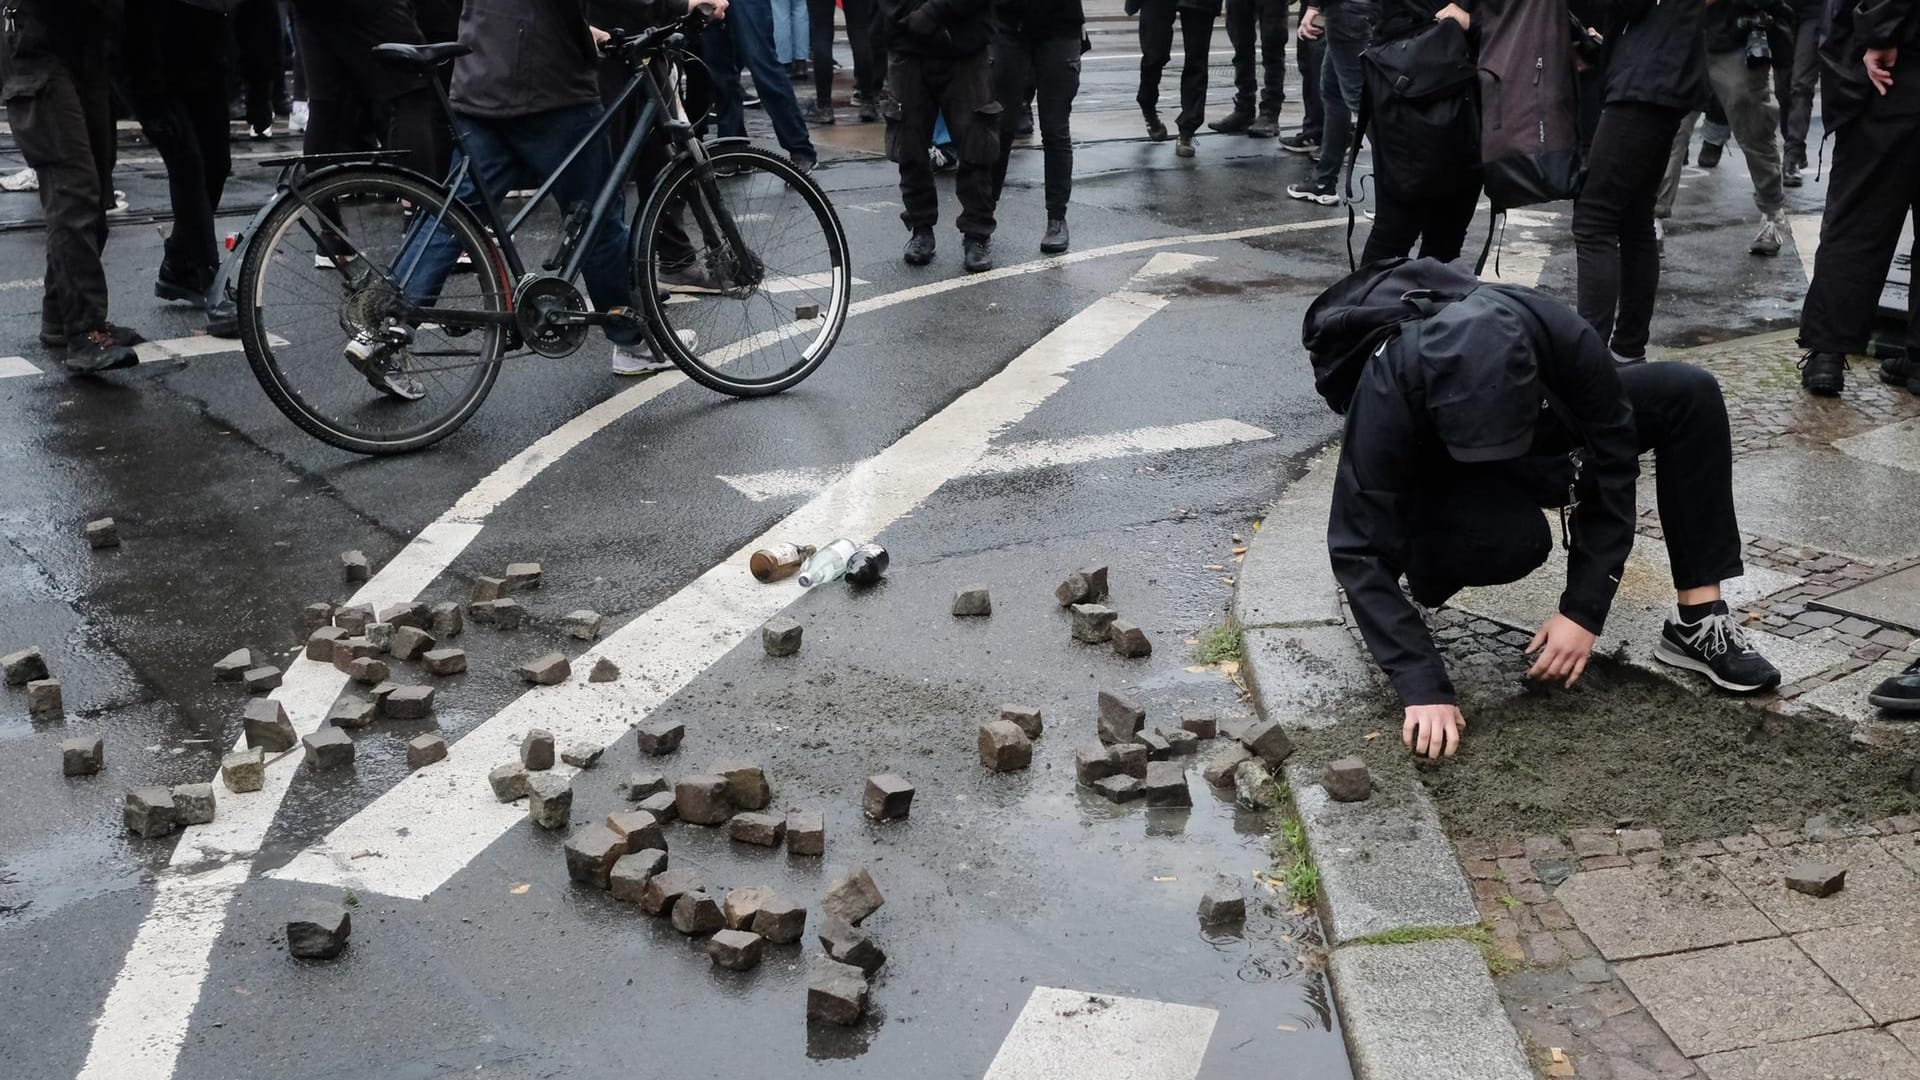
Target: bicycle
430, 291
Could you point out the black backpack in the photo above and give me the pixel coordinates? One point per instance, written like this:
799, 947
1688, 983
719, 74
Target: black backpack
1529, 97
1418, 104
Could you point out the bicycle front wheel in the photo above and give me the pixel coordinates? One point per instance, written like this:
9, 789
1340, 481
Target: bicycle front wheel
745, 282
346, 262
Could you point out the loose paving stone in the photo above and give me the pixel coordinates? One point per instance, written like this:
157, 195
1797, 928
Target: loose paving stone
971, 603
1129, 760
1004, 747
743, 903
233, 666
1096, 581
445, 661
735, 950
1093, 623
485, 591
889, 797
1634, 841
354, 566
662, 805
1877, 965
1121, 718
244, 770
381, 693
639, 785
266, 725
702, 800
414, 616
1120, 788
1847, 1054
836, 992
806, 833
353, 618
630, 874
1878, 887
604, 670
45, 700
509, 781
747, 785
149, 812
760, 830
446, 621
24, 667
1425, 1010
583, 624
853, 896
666, 887
550, 669
502, 614
328, 748
781, 637
641, 829
381, 634
315, 616
523, 575
193, 804
1253, 786
1167, 784
780, 921
1129, 640
411, 643
369, 672
1158, 748
318, 931
549, 800
1269, 741
1202, 727
1219, 769
1077, 589
103, 533
1646, 910
582, 755
850, 945
82, 756
407, 702
1181, 742
262, 679
661, 738
697, 913
591, 852
1347, 780
1092, 764
321, 642
1817, 879
347, 650
1025, 717
1739, 995
1220, 906
424, 750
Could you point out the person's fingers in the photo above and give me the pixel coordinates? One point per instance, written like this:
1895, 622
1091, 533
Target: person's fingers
1579, 669
1453, 738
1425, 738
1539, 639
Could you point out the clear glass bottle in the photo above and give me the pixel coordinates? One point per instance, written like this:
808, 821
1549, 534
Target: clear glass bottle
827, 564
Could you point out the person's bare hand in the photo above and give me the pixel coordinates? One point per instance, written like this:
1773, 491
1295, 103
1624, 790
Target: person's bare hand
1311, 28
1457, 14
1564, 647
1880, 68
715, 9
600, 37
1433, 730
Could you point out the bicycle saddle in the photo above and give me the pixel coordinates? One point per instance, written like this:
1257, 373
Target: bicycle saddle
420, 56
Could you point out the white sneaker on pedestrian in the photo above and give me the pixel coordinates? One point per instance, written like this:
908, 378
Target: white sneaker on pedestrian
1773, 230
640, 359
297, 117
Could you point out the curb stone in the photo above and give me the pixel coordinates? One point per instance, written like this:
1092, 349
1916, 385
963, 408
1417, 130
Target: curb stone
1426, 1009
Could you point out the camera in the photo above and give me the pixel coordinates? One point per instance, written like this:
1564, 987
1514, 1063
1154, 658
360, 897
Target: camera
1759, 52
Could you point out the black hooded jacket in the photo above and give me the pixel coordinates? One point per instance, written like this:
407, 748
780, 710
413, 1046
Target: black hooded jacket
1846, 94
1400, 381
1659, 54
947, 28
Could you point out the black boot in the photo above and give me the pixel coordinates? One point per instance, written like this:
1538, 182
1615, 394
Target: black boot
1264, 128
976, 253
172, 283
1156, 130
919, 250
1055, 241
1710, 154
1823, 373
1234, 122
97, 351
1899, 693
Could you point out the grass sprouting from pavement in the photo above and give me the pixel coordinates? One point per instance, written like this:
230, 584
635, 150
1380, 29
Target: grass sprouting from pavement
1478, 936
1218, 644
1294, 867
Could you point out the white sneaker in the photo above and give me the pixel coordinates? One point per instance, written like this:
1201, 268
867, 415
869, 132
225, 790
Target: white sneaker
297, 119
1773, 230
640, 359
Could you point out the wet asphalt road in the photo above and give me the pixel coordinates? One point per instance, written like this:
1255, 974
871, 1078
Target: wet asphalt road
232, 519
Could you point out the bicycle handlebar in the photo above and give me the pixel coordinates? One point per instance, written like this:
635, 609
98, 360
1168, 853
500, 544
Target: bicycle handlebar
619, 42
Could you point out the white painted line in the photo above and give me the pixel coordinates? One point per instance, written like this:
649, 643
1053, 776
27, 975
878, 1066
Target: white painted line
1021, 457
433, 822
795, 283
1806, 239
14, 367
23, 283
186, 348
1075, 1035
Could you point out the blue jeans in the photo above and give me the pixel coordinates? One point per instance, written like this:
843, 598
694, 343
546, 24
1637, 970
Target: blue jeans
1340, 85
526, 149
747, 34
790, 38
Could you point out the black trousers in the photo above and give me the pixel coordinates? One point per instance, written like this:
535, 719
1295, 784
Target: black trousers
1873, 185
64, 130
1484, 527
1308, 55
1048, 71
961, 89
866, 73
179, 98
1156, 48
1267, 20
1617, 256
1803, 86
347, 88
260, 38
1438, 222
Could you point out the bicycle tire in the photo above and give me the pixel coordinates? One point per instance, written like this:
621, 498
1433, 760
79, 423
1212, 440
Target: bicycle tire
835, 263
350, 186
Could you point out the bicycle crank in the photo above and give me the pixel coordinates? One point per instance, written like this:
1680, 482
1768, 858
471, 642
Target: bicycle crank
551, 315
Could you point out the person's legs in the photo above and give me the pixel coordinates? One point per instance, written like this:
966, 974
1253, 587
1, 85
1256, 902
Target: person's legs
540, 143
423, 265
1310, 56
751, 24
1013, 75
909, 133
973, 116
50, 131
1619, 264
868, 69
1272, 18
1196, 38
1679, 416
1241, 18
1340, 85
257, 29
1443, 228
1156, 48
1676, 162
1747, 94
1871, 188
1397, 223
820, 30
1718, 130
1057, 83
717, 52
1802, 90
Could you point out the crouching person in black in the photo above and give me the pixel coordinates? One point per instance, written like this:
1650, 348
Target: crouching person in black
1469, 408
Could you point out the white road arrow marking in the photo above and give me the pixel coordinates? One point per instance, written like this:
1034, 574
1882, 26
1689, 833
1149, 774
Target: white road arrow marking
1075, 1035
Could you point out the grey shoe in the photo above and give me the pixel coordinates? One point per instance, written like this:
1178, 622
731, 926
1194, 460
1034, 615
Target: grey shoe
920, 247
1183, 148
1772, 234
1233, 123
1055, 241
97, 351
976, 253
385, 367
1264, 128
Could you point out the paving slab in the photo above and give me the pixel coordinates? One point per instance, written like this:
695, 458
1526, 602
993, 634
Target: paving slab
1908, 1033
1308, 677
1384, 864
1847, 697
1892, 598
1906, 848
1879, 887
1634, 911
1426, 1011
1075, 1035
1896, 446
1738, 996
1797, 658
1878, 965
1828, 500
1850, 1055
1286, 577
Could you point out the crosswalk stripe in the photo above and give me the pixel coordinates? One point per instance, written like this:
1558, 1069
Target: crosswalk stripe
1076, 1035
1806, 239
13, 367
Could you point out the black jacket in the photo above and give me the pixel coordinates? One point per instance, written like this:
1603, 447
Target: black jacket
950, 28
529, 56
42, 35
1659, 55
1722, 29
1846, 94
1041, 18
1392, 461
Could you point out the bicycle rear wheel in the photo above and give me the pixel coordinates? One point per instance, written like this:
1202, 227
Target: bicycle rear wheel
763, 314
325, 269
